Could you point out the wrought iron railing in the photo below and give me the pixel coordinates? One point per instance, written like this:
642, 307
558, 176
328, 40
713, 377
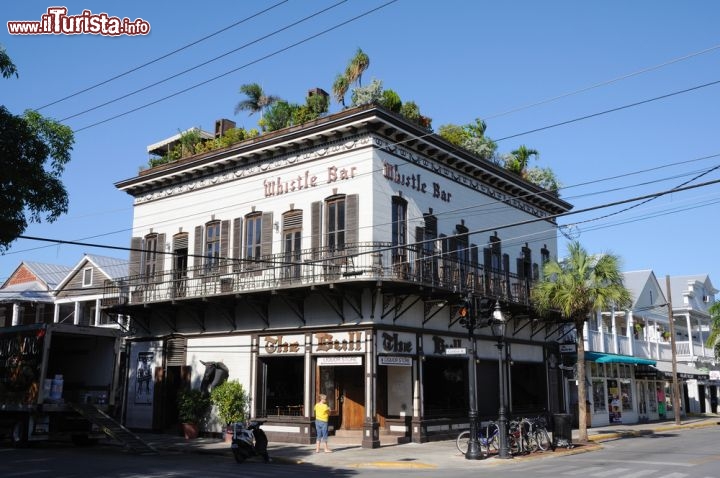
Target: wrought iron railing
355, 262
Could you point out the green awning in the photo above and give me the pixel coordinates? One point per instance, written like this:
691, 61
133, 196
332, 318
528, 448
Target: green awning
600, 357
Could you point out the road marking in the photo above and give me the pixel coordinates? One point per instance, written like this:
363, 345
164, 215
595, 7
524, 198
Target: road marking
614, 471
640, 473
585, 471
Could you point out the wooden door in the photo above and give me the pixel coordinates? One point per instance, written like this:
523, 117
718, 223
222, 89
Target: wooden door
351, 391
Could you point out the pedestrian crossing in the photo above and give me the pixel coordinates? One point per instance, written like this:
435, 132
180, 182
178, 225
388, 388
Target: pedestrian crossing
609, 471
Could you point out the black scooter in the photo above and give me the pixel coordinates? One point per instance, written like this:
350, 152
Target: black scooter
249, 441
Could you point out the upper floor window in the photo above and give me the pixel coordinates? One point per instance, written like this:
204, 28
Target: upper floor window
399, 221
336, 223
544, 255
292, 233
253, 237
495, 253
461, 241
87, 277
212, 245
150, 256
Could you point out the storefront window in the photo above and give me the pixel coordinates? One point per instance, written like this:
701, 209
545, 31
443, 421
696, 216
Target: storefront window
652, 396
624, 371
446, 393
598, 391
668, 398
626, 395
281, 386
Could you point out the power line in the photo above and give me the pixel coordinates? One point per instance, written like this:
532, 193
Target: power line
613, 110
420, 242
162, 57
265, 57
176, 75
604, 83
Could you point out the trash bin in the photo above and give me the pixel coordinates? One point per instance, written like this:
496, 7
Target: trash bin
562, 430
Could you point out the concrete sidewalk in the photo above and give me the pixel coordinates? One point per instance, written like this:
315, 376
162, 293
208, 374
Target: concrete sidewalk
439, 454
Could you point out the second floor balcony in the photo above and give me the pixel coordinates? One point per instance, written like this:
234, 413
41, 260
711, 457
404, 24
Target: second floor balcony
407, 268
651, 348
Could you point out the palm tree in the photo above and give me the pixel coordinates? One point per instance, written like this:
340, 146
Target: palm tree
519, 159
340, 87
357, 66
256, 100
353, 74
577, 286
713, 339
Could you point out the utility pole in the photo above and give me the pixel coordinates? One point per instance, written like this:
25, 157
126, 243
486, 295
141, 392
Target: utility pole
675, 385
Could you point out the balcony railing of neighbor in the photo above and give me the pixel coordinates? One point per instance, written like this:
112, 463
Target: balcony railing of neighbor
650, 348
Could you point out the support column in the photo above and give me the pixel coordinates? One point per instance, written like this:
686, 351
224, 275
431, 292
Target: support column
371, 427
630, 332
56, 313
76, 318
16, 314
690, 341
98, 312
417, 432
613, 330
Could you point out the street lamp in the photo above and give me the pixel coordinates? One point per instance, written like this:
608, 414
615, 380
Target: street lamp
498, 325
468, 319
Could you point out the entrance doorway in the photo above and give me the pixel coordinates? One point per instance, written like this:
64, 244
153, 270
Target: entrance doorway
344, 387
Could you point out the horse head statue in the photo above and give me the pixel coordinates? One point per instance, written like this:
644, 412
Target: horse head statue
215, 374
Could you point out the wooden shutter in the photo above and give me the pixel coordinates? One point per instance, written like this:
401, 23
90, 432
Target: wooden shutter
197, 257
266, 236
237, 243
136, 244
352, 219
160, 257
224, 246
419, 240
520, 264
316, 227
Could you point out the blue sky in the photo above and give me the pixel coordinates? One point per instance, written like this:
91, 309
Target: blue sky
519, 65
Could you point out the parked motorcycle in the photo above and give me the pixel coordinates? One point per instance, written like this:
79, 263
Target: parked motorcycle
249, 441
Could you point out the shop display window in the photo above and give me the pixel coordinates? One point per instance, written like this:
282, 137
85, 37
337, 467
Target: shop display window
626, 394
598, 392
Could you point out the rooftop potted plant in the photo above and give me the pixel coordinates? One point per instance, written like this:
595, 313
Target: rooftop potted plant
192, 409
231, 401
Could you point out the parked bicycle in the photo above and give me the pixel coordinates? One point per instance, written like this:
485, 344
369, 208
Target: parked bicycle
487, 438
534, 435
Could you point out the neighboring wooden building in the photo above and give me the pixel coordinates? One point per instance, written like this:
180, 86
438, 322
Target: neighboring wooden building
330, 258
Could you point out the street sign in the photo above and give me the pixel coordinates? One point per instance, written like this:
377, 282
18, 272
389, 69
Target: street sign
456, 351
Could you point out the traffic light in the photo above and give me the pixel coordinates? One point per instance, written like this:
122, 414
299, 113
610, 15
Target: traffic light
465, 313
485, 309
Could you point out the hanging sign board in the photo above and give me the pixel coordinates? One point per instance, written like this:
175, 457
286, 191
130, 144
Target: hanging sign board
335, 361
393, 361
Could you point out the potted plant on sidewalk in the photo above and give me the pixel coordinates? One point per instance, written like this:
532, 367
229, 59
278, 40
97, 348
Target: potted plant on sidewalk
192, 409
231, 400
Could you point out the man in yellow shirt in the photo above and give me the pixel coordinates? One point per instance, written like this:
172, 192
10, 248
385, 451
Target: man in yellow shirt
322, 415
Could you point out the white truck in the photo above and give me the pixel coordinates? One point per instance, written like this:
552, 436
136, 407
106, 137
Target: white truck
53, 378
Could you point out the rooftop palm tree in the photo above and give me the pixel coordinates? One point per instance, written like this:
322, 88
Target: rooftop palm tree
340, 87
357, 66
519, 159
256, 100
353, 74
577, 286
